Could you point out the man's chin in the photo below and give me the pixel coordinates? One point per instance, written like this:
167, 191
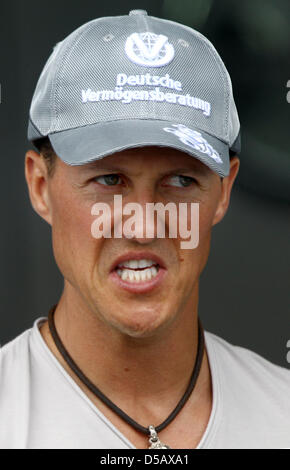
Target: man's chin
142, 324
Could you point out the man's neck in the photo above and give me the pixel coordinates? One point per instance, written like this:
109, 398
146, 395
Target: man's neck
146, 377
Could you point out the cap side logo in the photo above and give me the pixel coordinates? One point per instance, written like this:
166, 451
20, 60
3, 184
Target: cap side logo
194, 140
149, 49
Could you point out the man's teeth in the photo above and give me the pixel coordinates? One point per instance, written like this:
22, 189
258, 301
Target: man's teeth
128, 270
137, 263
137, 276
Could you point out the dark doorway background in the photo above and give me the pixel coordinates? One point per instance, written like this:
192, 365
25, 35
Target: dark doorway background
244, 294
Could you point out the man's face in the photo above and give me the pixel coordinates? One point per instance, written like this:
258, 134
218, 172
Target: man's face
144, 175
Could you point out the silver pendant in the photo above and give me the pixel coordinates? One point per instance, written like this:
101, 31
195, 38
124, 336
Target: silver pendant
154, 440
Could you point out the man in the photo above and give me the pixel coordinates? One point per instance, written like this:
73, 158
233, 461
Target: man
142, 109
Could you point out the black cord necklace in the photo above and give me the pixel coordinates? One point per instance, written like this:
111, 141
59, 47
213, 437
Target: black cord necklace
151, 430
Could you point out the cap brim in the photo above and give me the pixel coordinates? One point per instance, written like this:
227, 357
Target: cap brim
94, 142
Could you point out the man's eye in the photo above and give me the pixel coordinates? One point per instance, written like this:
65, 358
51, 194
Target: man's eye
108, 180
181, 181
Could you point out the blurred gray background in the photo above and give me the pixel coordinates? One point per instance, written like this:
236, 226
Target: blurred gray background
245, 287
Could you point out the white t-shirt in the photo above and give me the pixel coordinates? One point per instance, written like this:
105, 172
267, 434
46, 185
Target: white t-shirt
42, 407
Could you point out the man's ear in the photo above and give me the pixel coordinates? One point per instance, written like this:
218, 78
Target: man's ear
37, 177
227, 184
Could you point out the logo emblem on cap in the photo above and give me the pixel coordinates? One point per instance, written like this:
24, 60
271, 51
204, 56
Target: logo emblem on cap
149, 49
193, 139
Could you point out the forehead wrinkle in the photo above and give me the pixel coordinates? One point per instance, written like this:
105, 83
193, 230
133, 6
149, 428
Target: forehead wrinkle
109, 167
165, 157
181, 171
143, 152
172, 170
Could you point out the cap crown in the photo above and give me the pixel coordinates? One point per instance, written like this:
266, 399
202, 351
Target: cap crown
134, 67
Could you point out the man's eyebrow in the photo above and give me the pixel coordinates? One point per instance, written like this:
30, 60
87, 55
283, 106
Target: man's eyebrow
194, 169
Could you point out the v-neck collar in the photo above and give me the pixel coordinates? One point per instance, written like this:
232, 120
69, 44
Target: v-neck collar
209, 433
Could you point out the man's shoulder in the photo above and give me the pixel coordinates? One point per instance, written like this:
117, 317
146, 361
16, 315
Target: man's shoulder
251, 395
12, 348
246, 370
14, 355
14, 390
243, 358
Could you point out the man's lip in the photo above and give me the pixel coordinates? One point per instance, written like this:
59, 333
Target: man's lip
138, 255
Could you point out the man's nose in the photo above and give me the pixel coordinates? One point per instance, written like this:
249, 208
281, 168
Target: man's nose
137, 217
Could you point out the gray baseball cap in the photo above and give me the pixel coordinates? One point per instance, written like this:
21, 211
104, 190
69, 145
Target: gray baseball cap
130, 81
